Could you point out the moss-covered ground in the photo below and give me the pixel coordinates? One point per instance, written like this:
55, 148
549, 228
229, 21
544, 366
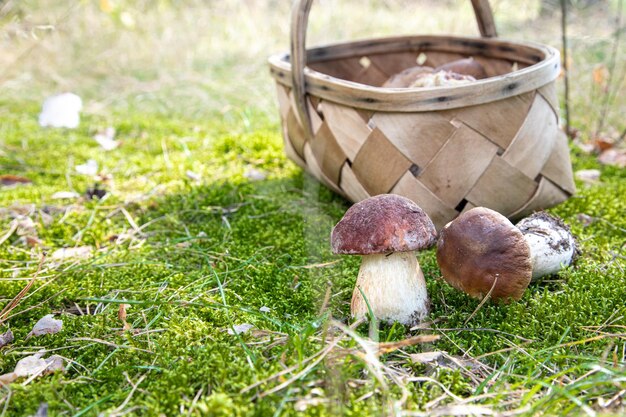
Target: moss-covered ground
190, 247
205, 255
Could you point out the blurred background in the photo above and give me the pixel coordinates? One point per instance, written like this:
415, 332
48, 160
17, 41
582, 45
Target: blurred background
196, 59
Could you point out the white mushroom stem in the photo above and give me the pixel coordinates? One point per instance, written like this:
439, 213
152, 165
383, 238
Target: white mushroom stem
552, 245
394, 286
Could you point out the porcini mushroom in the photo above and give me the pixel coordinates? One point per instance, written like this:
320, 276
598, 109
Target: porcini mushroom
467, 66
481, 252
386, 230
407, 77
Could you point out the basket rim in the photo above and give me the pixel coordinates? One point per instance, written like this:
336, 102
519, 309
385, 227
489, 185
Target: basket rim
544, 70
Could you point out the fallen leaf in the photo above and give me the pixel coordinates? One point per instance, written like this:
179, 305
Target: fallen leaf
121, 314
6, 338
8, 180
26, 226
88, 168
62, 110
602, 144
55, 363
79, 252
254, 174
613, 157
391, 346
106, 139
33, 366
425, 357
64, 195
589, 176
586, 147
31, 241
585, 219
600, 74
46, 325
192, 175
30, 365
240, 328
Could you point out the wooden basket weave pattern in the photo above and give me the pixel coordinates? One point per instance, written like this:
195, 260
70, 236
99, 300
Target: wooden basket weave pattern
509, 155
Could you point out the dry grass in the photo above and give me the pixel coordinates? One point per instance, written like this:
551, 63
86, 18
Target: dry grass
196, 58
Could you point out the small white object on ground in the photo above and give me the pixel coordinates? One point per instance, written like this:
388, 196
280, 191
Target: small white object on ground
264, 309
6, 338
88, 168
65, 195
33, 366
62, 110
80, 252
240, 328
193, 176
106, 139
30, 365
590, 176
46, 325
254, 174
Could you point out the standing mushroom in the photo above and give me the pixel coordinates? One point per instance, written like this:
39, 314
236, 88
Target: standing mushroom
386, 230
482, 251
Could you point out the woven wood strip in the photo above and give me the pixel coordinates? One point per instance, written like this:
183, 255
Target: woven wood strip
295, 132
347, 125
533, 144
328, 153
314, 169
378, 155
283, 100
410, 187
467, 153
548, 194
500, 120
418, 136
558, 167
289, 149
351, 186
490, 190
549, 93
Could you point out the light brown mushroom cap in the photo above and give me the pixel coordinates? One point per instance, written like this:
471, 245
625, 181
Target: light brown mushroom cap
407, 77
467, 66
382, 224
479, 246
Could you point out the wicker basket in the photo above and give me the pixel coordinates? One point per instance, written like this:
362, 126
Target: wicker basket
494, 142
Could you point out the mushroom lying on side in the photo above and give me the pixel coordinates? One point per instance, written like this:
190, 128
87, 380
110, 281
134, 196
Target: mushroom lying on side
461, 71
482, 251
467, 66
386, 230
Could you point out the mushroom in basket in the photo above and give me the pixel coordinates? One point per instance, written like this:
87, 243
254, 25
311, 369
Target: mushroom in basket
461, 71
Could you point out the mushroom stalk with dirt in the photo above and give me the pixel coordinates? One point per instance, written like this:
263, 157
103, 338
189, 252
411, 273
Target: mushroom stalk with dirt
481, 252
386, 231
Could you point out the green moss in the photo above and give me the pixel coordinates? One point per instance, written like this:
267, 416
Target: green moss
211, 253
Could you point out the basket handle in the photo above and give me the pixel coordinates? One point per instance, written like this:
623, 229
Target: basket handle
299, 21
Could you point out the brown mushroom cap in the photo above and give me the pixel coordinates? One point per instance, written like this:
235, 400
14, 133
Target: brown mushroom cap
407, 77
382, 224
479, 246
467, 66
